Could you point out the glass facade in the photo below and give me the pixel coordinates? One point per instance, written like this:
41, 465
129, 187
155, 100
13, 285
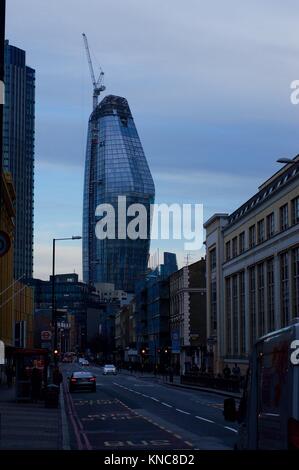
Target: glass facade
18, 151
115, 166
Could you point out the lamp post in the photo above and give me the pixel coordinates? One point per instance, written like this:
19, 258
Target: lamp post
54, 319
288, 161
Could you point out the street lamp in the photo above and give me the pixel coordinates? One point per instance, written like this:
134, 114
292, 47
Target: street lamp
287, 160
54, 319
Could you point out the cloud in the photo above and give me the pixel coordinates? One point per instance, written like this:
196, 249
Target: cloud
208, 84
68, 259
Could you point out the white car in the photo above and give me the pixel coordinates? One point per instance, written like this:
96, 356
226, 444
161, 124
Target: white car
83, 362
109, 369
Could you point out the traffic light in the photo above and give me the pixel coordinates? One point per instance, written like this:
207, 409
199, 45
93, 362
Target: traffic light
55, 354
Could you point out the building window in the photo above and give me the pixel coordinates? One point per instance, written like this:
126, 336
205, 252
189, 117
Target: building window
295, 210
235, 247
242, 242
213, 259
252, 236
228, 315
270, 295
213, 305
270, 225
295, 262
284, 217
227, 251
261, 299
260, 231
242, 312
235, 315
285, 301
252, 304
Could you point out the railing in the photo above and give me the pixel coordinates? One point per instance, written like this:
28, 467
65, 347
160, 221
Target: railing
233, 384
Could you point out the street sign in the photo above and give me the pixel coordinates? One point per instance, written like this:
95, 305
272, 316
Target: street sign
46, 335
5, 243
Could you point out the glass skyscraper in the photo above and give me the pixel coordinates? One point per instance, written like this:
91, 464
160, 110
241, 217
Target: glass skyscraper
115, 166
18, 151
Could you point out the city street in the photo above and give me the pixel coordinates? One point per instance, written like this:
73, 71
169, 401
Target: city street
141, 413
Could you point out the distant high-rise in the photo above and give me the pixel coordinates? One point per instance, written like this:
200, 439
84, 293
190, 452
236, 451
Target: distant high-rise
115, 166
18, 151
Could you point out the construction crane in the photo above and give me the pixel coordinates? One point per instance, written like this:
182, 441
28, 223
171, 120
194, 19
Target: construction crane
98, 86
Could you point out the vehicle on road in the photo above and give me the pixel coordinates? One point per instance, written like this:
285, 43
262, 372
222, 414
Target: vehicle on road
109, 369
69, 357
82, 380
268, 413
83, 362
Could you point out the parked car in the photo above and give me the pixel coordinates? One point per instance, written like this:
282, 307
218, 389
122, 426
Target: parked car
82, 380
109, 369
268, 413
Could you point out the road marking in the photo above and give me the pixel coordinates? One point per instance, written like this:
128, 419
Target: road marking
231, 429
171, 406
162, 442
189, 443
182, 411
204, 419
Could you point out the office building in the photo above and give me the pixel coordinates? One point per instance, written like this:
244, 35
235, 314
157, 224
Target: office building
115, 166
18, 152
187, 299
253, 268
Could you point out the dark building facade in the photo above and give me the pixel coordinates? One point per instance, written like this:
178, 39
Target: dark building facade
188, 324
115, 166
71, 296
18, 151
153, 339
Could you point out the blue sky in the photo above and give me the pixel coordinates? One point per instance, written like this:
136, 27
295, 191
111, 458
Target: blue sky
208, 83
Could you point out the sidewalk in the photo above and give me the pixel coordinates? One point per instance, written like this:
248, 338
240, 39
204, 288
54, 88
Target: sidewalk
29, 426
176, 383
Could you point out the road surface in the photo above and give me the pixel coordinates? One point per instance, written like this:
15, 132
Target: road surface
141, 413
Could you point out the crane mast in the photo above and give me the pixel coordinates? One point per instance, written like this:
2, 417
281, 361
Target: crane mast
98, 86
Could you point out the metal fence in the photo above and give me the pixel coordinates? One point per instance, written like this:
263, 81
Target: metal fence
233, 384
